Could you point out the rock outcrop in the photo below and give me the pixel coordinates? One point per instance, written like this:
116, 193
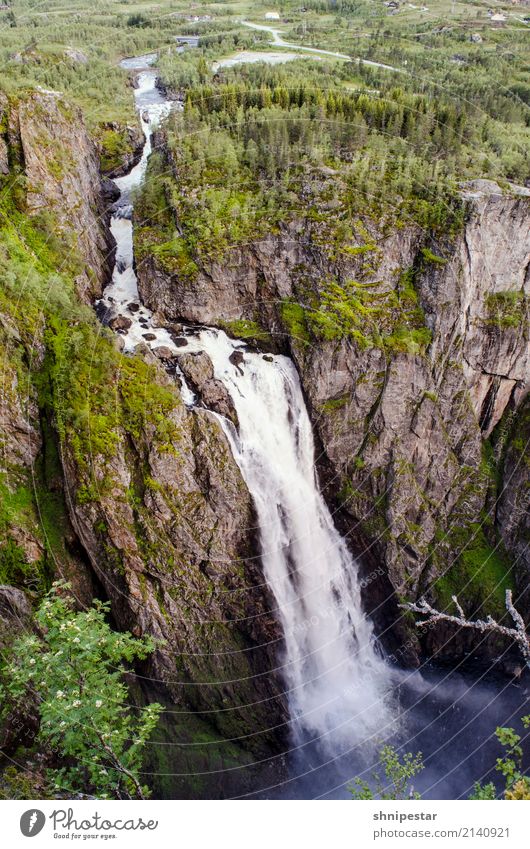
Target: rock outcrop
198, 371
120, 148
48, 144
478, 302
513, 505
15, 614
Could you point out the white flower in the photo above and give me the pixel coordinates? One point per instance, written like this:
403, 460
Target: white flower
59, 694
75, 640
63, 627
76, 703
32, 662
99, 703
62, 724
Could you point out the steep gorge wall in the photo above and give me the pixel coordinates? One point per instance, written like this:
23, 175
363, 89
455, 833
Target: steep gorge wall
51, 160
404, 432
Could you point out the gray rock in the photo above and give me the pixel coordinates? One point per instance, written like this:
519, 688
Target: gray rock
402, 434
74, 195
15, 614
164, 353
198, 371
121, 322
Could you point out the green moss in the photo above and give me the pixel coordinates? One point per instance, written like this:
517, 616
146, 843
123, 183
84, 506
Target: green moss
334, 404
172, 253
16, 505
295, 320
371, 317
115, 146
408, 340
358, 250
480, 575
243, 329
432, 258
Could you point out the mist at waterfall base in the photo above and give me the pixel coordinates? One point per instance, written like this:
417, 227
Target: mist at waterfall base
448, 717
345, 701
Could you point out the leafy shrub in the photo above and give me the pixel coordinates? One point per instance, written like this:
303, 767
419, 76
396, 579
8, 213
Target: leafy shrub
72, 672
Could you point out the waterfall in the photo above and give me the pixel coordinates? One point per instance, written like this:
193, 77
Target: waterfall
335, 678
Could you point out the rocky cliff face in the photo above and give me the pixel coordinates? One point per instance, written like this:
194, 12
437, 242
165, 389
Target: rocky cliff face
169, 532
513, 506
478, 303
402, 418
48, 151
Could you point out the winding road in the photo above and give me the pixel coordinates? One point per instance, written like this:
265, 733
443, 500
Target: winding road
278, 41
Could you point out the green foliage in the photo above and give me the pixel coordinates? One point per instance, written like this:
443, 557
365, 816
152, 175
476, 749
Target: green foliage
368, 315
432, 258
295, 320
510, 765
507, 309
72, 671
483, 792
334, 404
137, 20
115, 146
92, 399
16, 783
244, 329
395, 783
479, 576
17, 571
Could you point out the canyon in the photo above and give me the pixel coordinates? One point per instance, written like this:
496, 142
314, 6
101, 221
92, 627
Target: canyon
412, 450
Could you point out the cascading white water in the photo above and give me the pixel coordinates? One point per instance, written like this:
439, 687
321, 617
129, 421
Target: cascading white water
335, 678
121, 295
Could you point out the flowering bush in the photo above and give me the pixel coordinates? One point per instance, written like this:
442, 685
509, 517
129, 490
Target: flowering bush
73, 671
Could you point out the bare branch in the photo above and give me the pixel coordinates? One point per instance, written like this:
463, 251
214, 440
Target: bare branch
458, 607
517, 634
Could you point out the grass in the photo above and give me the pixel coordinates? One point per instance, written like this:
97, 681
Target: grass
115, 146
508, 309
364, 313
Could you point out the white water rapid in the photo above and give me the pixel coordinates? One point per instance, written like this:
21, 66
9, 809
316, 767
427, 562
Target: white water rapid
335, 678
